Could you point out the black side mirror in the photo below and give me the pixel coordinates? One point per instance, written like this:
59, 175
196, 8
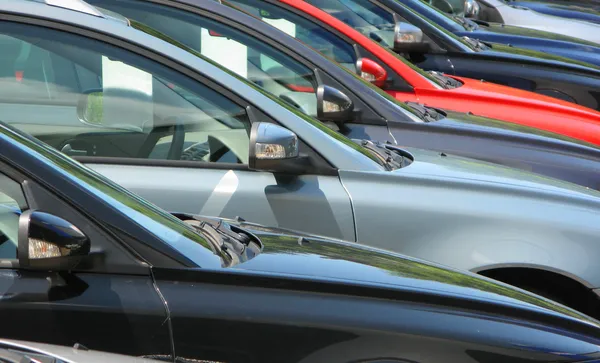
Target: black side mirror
47, 242
333, 105
409, 39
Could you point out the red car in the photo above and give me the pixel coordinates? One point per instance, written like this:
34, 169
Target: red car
377, 64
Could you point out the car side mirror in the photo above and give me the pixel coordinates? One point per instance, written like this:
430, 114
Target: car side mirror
472, 9
371, 71
47, 242
274, 148
89, 107
409, 39
101, 108
333, 105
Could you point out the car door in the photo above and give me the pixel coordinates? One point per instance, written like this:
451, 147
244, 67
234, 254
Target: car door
99, 306
180, 143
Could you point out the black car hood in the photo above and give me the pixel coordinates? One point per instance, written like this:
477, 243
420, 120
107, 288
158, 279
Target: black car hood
471, 122
298, 255
549, 46
519, 54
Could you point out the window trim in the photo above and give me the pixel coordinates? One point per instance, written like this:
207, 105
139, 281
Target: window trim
174, 66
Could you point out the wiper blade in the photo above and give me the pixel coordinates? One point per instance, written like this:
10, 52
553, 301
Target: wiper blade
234, 242
428, 114
466, 23
476, 44
390, 159
447, 82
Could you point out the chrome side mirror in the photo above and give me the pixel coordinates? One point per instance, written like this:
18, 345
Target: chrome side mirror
47, 242
472, 8
272, 148
333, 105
409, 39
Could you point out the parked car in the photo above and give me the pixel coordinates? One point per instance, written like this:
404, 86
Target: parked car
18, 351
251, 48
85, 260
434, 89
541, 41
177, 129
504, 12
578, 10
440, 51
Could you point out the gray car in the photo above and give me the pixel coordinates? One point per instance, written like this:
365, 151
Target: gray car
192, 137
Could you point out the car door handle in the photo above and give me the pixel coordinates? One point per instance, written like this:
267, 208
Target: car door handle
68, 149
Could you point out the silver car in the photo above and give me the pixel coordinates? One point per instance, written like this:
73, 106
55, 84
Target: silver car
191, 137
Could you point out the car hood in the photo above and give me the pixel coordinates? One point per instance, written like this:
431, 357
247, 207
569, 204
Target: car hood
533, 34
470, 122
516, 53
516, 106
315, 258
450, 167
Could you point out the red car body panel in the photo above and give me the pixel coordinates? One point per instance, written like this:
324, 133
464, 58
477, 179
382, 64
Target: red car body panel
480, 98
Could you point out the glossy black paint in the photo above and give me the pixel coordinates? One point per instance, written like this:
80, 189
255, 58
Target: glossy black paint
301, 299
382, 119
566, 9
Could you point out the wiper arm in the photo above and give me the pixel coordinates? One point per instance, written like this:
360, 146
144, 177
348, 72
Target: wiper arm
428, 114
447, 82
466, 23
388, 158
476, 44
232, 242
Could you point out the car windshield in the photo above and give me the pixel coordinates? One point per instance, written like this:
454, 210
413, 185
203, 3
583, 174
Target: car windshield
160, 223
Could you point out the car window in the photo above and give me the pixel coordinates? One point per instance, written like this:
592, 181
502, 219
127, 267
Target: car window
86, 101
12, 203
315, 36
247, 56
363, 16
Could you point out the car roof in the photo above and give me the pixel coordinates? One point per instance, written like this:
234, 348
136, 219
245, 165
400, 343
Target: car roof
339, 154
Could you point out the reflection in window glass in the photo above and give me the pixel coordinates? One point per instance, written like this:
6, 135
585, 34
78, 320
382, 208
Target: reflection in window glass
87, 102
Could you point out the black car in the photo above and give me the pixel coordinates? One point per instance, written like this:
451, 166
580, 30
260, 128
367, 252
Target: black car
486, 31
381, 118
84, 261
535, 71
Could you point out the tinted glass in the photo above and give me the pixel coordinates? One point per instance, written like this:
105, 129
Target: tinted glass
250, 58
322, 40
12, 203
88, 102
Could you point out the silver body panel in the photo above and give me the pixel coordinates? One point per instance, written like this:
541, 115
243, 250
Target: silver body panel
526, 18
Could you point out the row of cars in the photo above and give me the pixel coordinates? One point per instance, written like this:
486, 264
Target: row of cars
273, 132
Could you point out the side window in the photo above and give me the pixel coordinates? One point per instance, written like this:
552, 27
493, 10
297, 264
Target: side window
312, 34
86, 98
12, 203
267, 67
363, 16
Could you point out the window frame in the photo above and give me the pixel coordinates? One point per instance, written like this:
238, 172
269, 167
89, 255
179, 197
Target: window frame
321, 165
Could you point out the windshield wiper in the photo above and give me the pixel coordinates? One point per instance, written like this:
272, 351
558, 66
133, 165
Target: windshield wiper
427, 114
466, 23
231, 241
475, 44
446, 82
389, 159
